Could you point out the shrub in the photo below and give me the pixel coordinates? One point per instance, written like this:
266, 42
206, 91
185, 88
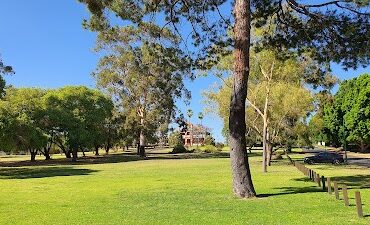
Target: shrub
209, 140
210, 149
175, 139
179, 149
220, 145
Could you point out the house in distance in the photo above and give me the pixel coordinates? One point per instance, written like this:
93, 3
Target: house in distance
194, 134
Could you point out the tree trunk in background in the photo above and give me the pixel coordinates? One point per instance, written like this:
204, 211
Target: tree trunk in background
142, 144
107, 148
74, 154
96, 150
33, 153
68, 154
269, 150
363, 146
264, 145
242, 180
46, 153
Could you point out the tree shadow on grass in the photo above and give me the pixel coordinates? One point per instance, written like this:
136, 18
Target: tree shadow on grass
41, 172
354, 182
114, 158
292, 190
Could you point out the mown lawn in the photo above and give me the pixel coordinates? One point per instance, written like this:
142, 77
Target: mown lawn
170, 191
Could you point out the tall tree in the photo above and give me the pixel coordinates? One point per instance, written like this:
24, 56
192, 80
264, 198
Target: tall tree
3, 71
331, 31
190, 114
276, 100
349, 116
19, 129
76, 115
144, 73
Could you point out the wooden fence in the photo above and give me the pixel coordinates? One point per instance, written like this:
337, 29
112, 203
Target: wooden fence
330, 186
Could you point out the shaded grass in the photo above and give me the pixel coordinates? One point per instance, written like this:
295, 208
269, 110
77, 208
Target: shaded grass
165, 191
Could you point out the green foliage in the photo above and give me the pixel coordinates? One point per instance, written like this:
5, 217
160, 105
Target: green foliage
175, 139
210, 149
349, 116
289, 101
179, 149
209, 140
220, 145
19, 130
332, 31
78, 115
3, 71
138, 69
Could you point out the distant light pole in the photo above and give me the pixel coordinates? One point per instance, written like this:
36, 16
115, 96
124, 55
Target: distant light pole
345, 141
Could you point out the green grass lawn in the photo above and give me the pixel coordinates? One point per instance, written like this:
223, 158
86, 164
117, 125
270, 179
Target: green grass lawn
168, 190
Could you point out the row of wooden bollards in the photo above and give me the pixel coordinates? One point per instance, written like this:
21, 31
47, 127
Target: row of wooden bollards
326, 185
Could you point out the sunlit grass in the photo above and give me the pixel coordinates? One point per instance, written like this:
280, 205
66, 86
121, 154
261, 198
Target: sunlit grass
169, 191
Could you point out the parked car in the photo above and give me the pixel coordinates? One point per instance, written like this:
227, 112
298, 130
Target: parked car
324, 157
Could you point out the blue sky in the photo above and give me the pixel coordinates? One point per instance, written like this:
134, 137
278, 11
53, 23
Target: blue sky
45, 43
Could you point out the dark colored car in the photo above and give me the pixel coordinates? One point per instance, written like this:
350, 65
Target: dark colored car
324, 157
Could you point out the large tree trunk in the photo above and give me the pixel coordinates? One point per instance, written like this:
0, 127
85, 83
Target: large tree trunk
242, 180
107, 148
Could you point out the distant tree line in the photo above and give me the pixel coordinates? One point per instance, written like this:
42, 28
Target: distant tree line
344, 119
70, 118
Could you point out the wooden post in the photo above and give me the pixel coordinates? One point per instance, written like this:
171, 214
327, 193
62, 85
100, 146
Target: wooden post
313, 176
318, 180
359, 204
336, 192
345, 195
323, 183
329, 185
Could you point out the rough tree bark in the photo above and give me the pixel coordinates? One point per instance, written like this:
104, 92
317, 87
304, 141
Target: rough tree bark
242, 180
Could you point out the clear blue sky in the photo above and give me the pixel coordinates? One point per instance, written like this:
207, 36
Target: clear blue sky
45, 43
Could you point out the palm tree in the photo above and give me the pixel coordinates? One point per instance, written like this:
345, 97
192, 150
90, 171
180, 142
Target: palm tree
190, 114
200, 116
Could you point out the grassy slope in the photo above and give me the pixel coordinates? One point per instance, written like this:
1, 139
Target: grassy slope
191, 191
